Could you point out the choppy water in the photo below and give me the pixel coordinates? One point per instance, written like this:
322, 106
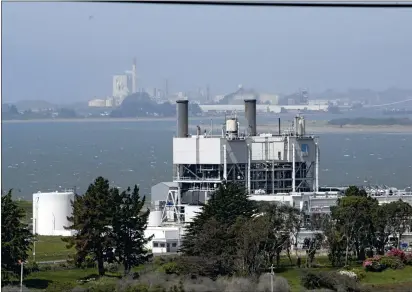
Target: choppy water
54, 156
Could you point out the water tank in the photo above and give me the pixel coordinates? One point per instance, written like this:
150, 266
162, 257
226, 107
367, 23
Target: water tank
50, 212
303, 126
155, 218
231, 125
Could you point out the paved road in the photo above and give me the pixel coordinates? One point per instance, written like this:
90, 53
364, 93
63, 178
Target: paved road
63, 261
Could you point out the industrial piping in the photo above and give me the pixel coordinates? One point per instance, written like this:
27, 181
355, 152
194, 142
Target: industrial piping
182, 118
250, 115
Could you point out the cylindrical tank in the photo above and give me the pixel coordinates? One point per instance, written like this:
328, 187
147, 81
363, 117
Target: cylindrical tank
303, 126
300, 127
182, 118
231, 125
155, 218
296, 125
50, 212
250, 115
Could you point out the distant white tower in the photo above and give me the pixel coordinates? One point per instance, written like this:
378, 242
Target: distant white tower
134, 76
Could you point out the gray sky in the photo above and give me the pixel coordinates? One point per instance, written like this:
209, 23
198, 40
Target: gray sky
52, 51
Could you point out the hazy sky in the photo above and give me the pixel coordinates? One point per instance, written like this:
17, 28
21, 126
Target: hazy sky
53, 51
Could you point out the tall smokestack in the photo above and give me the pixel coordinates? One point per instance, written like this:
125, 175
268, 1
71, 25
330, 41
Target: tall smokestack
250, 115
134, 76
182, 118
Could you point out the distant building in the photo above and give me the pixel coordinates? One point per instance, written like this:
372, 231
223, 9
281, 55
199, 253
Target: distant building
122, 86
110, 102
97, 103
269, 98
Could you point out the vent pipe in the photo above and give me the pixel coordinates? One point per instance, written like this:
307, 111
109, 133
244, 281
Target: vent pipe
279, 128
250, 115
182, 118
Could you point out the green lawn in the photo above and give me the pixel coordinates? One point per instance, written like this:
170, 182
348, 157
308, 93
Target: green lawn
50, 248
384, 281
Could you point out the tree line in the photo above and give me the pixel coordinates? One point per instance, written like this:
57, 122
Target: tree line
236, 236
358, 226
231, 236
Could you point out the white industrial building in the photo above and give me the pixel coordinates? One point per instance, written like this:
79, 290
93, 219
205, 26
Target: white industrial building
50, 212
278, 167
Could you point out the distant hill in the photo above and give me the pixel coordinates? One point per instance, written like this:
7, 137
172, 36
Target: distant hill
366, 95
24, 105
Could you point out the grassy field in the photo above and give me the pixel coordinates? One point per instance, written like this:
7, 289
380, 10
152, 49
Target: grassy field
389, 280
50, 248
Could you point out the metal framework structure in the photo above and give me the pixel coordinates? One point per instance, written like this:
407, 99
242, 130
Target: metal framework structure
263, 163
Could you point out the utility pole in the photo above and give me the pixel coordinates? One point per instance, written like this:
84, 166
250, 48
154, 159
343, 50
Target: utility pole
21, 275
272, 274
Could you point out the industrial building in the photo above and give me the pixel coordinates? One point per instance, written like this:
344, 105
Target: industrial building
123, 85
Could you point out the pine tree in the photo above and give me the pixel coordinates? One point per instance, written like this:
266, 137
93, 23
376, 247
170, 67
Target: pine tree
129, 224
16, 239
210, 236
91, 219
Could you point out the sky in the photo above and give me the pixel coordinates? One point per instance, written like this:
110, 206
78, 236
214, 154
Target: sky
68, 52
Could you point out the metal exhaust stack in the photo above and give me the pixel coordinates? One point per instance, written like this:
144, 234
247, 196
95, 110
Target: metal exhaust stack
182, 118
250, 115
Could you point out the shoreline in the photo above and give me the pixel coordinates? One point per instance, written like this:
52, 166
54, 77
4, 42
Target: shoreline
347, 129
312, 127
88, 120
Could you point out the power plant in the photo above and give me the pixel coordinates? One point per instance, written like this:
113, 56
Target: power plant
264, 163
280, 167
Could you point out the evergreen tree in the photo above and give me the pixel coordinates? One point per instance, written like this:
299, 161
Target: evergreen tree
91, 219
225, 205
129, 224
209, 244
16, 239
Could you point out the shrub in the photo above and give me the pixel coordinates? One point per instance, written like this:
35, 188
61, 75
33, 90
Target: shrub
88, 262
45, 267
392, 262
395, 252
408, 259
31, 267
171, 268
60, 286
373, 264
329, 280
349, 274
111, 267
360, 273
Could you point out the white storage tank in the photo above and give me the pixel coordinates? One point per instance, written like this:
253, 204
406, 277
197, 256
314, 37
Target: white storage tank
231, 125
50, 212
155, 218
